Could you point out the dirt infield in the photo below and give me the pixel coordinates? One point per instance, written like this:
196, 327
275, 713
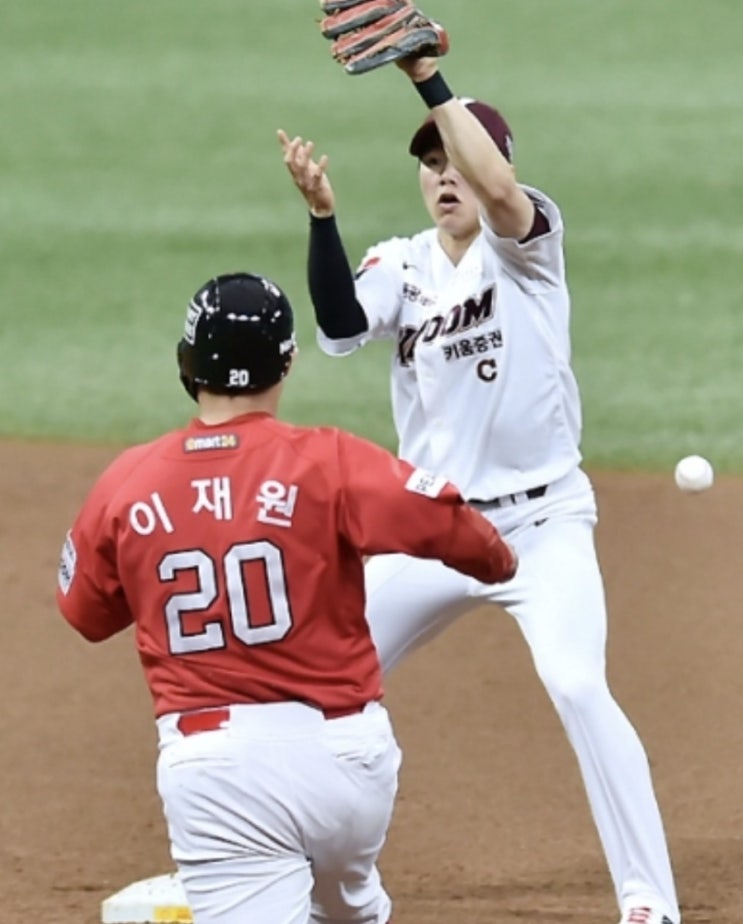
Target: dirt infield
491, 824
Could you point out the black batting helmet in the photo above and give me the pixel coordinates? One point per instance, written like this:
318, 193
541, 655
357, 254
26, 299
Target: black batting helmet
239, 336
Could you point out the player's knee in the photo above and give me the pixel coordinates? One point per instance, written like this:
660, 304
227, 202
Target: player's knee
575, 691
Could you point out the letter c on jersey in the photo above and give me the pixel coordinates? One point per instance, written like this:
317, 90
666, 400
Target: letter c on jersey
487, 370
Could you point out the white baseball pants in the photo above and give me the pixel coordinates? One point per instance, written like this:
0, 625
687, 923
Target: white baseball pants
279, 818
557, 598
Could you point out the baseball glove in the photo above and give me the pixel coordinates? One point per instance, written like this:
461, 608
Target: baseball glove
366, 34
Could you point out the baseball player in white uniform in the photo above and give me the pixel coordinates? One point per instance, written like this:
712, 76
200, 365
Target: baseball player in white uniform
478, 311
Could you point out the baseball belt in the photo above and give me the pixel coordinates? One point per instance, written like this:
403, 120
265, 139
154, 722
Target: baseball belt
517, 498
203, 720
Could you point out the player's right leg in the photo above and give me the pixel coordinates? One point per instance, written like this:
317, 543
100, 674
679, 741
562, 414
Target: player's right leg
561, 612
409, 601
365, 762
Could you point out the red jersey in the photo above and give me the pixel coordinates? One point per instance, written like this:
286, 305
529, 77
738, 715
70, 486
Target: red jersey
237, 552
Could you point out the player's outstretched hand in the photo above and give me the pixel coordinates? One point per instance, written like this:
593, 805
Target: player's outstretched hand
309, 175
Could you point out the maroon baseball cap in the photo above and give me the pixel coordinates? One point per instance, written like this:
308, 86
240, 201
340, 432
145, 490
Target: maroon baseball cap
428, 137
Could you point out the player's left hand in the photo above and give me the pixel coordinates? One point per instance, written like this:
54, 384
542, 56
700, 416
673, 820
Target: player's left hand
309, 175
418, 69
367, 34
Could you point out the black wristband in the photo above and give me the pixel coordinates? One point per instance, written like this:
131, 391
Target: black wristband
434, 91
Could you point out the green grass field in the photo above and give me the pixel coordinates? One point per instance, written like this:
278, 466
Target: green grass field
139, 157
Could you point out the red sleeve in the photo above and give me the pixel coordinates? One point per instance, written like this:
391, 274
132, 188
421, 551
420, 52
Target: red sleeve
89, 592
390, 506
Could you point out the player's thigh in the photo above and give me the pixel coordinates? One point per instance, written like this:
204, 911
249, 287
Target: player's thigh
558, 598
366, 760
235, 814
249, 888
225, 796
409, 601
350, 891
350, 901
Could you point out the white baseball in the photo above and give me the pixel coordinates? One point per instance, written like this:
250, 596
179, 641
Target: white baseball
694, 474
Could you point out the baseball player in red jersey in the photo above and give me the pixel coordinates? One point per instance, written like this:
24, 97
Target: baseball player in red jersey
235, 548
478, 309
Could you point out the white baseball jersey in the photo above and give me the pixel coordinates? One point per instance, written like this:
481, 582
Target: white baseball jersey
482, 389
483, 393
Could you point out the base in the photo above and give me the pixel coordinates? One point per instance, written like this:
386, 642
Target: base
159, 900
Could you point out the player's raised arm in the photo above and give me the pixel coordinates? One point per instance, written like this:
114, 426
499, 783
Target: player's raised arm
330, 277
473, 151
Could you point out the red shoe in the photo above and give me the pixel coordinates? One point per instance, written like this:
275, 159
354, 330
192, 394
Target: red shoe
644, 914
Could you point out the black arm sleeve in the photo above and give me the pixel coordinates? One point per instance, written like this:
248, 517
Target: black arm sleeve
337, 311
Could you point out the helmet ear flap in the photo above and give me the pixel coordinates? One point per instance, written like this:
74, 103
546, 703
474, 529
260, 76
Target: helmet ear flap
184, 355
